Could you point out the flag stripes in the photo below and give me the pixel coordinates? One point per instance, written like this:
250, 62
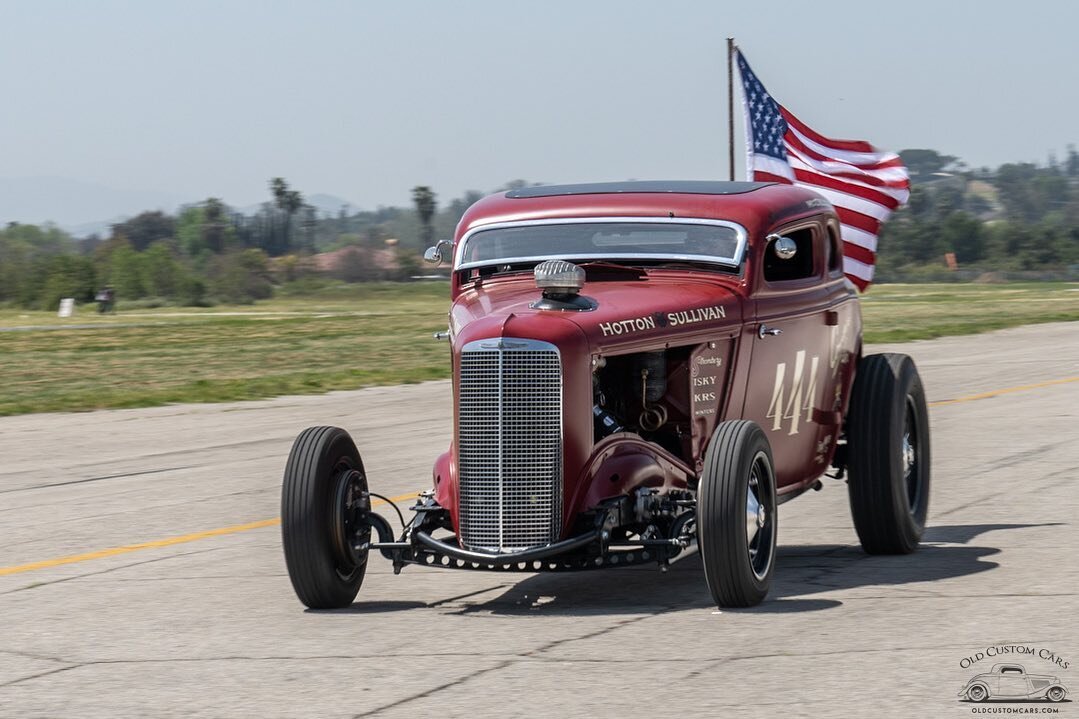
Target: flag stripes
864, 184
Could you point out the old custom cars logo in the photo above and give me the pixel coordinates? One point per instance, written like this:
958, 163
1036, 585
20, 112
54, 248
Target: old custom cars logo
663, 319
1008, 678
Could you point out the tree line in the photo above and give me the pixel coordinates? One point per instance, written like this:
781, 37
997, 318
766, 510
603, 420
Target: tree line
1019, 217
208, 252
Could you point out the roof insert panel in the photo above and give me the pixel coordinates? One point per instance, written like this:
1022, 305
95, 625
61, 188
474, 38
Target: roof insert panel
683, 187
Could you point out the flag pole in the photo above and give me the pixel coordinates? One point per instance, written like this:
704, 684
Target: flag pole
730, 104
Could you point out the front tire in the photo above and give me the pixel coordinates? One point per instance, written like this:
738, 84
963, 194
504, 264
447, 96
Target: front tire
324, 502
1056, 694
888, 454
737, 519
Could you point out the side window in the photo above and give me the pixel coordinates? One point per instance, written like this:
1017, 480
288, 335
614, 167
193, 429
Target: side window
798, 267
835, 252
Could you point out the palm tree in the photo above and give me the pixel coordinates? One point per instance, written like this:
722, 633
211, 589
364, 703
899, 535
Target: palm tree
288, 201
425, 203
214, 224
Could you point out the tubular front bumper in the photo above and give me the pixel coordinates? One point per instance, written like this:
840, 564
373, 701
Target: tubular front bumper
591, 549
506, 558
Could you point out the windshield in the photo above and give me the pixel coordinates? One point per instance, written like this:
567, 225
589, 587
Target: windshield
658, 240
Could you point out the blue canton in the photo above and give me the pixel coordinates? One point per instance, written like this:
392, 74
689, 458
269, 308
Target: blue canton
767, 125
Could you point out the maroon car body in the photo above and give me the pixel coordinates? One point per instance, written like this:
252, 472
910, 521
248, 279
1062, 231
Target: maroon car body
640, 370
818, 316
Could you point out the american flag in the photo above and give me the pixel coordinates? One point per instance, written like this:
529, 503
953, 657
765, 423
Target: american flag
864, 184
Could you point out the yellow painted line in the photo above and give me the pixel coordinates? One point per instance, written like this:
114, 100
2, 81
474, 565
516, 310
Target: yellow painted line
236, 528
168, 542
1006, 390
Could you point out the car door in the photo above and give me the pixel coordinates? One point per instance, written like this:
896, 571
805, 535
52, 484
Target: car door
791, 393
1013, 683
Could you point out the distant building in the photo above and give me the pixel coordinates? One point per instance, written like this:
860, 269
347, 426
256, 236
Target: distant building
358, 263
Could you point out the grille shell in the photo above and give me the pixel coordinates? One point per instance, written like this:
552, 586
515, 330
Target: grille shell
509, 444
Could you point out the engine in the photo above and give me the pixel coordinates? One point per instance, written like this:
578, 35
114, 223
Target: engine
647, 394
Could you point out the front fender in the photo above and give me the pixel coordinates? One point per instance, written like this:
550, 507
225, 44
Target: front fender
623, 463
443, 478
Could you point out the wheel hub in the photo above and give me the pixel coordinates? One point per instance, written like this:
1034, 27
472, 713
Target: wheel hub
351, 527
760, 530
911, 470
755, 515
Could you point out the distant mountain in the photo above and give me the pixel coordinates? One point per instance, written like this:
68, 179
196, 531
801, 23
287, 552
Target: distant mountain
328, 204
74, 205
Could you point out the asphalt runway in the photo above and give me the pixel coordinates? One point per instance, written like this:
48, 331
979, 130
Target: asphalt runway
141, 574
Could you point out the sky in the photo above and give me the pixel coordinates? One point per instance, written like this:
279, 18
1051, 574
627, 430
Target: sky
172, 101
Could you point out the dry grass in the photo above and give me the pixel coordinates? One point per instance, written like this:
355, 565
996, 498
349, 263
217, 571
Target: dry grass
355, 336
348, 338
896, 313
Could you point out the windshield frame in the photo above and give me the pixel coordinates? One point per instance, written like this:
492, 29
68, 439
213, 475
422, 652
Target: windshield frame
734, 262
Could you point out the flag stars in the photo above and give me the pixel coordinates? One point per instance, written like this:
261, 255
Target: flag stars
767, 125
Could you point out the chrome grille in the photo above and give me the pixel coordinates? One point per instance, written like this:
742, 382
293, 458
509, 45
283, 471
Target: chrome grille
509, 444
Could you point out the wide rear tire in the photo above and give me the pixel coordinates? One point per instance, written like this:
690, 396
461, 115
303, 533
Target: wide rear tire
888, 454
323, 495
737, 517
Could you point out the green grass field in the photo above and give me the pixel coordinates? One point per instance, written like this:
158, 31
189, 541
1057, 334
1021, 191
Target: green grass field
896, 313
354, 336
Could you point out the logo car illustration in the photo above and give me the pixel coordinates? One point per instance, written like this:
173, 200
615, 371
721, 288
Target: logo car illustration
1011, 681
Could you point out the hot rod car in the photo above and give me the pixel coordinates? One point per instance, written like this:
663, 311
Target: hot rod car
1011, 681
641, 370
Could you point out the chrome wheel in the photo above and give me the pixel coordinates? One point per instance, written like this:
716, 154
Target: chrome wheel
912, 476
760, 518
977, 693
1056, 694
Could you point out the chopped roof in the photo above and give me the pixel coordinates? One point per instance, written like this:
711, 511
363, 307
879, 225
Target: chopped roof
682, 187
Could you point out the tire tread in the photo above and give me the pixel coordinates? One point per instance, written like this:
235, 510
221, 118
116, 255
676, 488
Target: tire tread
305, 500
721, 516
874, 429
